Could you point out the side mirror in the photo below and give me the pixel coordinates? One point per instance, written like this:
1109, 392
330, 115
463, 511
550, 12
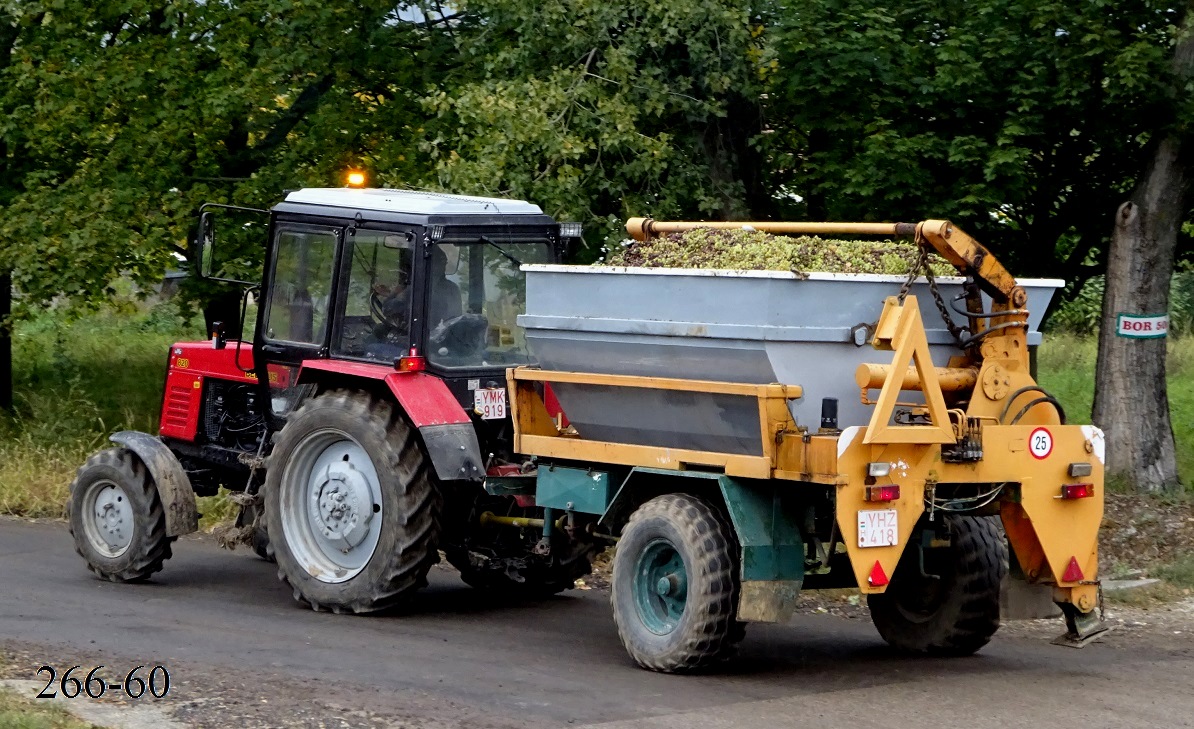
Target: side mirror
207, 244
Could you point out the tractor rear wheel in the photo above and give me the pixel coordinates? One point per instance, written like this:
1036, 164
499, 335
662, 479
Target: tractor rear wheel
950, 606
675, 585
116, 517
351, 511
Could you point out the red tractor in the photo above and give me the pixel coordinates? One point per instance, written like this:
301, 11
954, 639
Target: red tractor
361, 421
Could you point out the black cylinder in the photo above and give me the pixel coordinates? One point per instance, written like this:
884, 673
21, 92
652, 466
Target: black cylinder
829, 413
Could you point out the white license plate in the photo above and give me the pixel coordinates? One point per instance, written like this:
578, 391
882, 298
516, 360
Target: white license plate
490, 403
878, 528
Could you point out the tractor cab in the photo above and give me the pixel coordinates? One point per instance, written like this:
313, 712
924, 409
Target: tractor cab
401, 278
397, 279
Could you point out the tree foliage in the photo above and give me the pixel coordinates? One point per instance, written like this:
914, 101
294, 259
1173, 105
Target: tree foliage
121, 118
603, 110
1023, 121
118, 119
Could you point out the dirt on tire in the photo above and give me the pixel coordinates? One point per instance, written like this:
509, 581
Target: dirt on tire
407, 546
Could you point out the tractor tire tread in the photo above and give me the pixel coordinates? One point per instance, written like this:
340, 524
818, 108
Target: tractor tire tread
415, 549
971, 617
152, 547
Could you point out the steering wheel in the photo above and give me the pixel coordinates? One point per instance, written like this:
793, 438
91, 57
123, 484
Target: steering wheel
389, 312
461, 337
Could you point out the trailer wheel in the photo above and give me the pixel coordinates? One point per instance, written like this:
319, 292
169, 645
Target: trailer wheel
956, 614
351, 511
675, 585
116, 517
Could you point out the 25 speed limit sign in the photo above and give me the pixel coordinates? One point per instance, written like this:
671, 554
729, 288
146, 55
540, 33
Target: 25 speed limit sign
1040, 443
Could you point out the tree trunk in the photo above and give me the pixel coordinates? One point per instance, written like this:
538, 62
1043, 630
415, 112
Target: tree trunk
5, 342
1131, 396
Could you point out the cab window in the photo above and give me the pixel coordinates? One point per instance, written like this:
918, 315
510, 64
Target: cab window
377, 307
300, 297
476, 291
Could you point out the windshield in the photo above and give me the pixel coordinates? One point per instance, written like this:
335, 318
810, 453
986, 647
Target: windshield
477, 293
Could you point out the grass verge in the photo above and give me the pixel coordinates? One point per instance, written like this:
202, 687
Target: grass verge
76, 382
1066, 366
18, 712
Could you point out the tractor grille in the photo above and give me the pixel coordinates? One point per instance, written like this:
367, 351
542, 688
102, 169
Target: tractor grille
178, 406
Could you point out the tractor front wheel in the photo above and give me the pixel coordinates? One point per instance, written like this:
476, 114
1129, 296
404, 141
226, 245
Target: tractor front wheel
116, 517
947, 602
351, 511
675, 585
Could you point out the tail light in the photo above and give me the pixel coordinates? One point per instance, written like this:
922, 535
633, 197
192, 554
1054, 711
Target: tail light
1077, 491
890, 492
411, 362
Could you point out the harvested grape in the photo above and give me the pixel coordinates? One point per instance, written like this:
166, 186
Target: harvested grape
756, 250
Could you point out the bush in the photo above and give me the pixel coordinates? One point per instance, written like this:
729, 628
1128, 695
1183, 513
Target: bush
77, 380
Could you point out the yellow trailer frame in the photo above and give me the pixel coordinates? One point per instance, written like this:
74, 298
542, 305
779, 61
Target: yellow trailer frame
1055, 539
1045, 532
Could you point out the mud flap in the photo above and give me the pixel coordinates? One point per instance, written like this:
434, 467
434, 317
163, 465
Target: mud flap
772, 570
1081, 628
173, 485
454, 451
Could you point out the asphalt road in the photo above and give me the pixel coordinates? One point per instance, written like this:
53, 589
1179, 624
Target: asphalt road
242, 653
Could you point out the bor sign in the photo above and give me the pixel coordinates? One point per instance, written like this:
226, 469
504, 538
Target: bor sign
1136, 326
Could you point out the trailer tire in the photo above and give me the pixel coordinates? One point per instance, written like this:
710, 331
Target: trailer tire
116, 517
675, 585
956, 615
347, 470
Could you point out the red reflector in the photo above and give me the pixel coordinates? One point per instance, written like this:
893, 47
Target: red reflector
1073, 573
411, 362
1077, 491
891, 492
878, 577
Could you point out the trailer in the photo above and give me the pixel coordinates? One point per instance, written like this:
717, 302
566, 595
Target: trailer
426, 377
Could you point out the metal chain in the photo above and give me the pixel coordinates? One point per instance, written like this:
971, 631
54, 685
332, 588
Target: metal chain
954, 329
922, 261
922, 266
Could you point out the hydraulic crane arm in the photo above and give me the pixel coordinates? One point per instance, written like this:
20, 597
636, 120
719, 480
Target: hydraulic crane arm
970, 257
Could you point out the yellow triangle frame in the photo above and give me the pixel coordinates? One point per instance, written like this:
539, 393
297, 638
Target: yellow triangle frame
911, 345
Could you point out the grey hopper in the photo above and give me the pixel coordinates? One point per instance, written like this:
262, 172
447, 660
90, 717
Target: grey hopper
733, 326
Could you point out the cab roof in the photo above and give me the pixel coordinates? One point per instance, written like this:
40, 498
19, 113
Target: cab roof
410, 202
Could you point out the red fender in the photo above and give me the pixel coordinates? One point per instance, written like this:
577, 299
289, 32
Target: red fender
446, 428
425, 398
